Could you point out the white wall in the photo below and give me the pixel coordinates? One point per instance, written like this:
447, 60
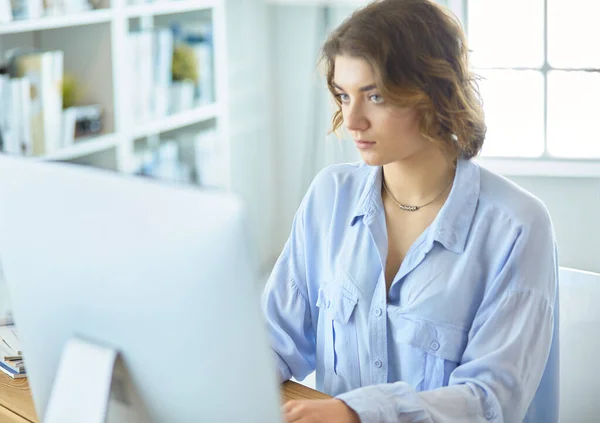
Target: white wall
574, 204
250, 122
302, 147
293, 45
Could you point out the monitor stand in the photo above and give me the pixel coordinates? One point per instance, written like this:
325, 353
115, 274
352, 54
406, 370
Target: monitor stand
92, 385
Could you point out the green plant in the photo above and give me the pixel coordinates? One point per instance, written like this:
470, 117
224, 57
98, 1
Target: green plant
184, 66
70, 91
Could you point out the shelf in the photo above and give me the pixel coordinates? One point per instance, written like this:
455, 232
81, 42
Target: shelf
168, 7
102, 37
65, 21
83, 147
177, 121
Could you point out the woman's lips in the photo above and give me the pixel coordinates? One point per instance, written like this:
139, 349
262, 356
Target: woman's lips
364, 144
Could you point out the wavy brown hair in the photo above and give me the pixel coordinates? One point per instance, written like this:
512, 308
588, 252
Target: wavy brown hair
419, 56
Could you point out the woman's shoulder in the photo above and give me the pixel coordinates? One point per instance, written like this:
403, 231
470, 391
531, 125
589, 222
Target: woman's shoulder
345, 180
335, 192
500, 195
343, 172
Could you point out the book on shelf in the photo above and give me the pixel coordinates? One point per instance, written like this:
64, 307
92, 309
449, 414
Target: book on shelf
15, 124
199, 37
11, 355
207, 159
32, 118
163, 57
44, 70
164, 163
65, 7
151, 62
141, 76
36, 9
27, 9
151, 53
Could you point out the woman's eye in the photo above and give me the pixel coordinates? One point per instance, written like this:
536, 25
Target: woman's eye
376, 98
342, 97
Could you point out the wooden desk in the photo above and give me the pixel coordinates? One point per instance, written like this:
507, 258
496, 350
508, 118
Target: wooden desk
16, 404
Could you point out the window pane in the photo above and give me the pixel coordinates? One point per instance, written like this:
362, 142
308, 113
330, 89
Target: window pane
573, 33
513, 102
573, 104
507, 33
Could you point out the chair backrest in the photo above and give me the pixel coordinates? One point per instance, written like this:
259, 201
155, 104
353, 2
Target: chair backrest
579, 299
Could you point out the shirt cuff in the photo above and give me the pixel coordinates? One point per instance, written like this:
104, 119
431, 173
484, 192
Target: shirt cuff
386, 403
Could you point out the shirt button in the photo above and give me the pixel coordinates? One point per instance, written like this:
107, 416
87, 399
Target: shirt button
377, 312
434, 346
378, 364
489, 415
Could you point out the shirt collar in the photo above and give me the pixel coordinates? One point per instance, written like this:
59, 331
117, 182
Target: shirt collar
369, 203
451, 226
453, 222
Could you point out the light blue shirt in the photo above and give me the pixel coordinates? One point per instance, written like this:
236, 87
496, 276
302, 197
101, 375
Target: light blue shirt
469, 330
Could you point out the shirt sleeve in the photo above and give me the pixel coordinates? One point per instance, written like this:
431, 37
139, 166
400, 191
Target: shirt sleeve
287, 311
508, 348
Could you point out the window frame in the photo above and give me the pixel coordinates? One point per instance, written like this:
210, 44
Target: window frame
546, 164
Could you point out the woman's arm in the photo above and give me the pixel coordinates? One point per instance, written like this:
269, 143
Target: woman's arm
286, 308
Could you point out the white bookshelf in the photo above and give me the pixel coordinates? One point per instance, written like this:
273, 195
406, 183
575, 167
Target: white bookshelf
84, 147
170, 7
95, 51
179, 120
84, 18
95, 46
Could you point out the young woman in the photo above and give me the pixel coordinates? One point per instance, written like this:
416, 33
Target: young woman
419, 286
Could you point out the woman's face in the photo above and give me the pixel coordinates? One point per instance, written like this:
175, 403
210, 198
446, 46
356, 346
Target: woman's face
382, 132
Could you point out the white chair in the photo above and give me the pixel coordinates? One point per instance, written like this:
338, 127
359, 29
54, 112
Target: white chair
579, 298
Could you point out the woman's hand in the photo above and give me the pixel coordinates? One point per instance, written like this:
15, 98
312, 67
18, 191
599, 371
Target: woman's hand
318, 411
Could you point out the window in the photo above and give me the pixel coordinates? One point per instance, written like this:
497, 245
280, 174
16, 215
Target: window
540, 66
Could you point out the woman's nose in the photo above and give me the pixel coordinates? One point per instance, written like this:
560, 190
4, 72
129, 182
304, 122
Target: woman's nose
355, 118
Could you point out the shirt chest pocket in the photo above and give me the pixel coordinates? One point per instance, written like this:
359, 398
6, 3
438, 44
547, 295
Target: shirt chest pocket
337, 306
440, 346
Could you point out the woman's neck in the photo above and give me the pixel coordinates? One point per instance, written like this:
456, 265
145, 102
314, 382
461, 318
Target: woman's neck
420, 178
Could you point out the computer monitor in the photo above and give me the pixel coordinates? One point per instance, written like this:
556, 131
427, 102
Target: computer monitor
157, 271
